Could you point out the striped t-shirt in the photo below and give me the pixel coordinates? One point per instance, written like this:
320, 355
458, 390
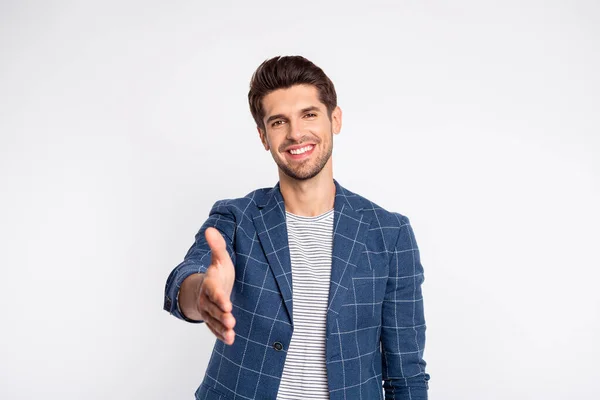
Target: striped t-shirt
311, 242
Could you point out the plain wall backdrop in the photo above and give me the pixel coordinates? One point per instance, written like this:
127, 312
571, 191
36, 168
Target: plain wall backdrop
122, 122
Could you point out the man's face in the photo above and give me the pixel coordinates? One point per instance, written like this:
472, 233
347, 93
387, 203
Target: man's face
298, 131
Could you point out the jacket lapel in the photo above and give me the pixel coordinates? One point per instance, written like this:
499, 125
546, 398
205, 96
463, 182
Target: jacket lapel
350, 227
271, 227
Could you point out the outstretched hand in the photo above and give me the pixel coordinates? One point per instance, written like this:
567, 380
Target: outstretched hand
214, 297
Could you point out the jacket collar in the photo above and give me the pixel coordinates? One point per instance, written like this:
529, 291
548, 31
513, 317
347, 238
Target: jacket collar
343, 197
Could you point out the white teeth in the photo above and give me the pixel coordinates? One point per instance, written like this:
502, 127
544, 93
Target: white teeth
301, 150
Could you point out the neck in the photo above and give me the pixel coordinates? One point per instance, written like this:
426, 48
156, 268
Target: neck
310, 197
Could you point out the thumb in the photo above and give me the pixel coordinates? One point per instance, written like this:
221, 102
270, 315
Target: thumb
217, 245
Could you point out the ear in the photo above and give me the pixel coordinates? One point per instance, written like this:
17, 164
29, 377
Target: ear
336, 120
263, 138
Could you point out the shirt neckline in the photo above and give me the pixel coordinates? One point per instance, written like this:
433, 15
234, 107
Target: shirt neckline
303, 217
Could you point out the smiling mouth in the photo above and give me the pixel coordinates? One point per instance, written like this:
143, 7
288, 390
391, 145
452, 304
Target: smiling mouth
301, 152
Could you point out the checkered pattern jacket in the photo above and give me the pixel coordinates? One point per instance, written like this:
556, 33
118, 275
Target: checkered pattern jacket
375, 329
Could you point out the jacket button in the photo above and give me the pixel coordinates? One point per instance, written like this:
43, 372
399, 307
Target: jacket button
277, 346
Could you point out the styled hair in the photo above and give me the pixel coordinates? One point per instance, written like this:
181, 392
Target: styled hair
282, 72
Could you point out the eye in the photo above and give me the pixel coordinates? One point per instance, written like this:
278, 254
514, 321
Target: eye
311, 114
276, 123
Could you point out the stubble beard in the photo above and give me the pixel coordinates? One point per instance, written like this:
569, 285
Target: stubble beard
303, 172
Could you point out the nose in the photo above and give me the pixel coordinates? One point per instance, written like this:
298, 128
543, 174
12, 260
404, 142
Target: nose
295, 131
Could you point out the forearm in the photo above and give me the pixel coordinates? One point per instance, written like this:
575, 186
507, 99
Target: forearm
197, 261
403, 320
188, 296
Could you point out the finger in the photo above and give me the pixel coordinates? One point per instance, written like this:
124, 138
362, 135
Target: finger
229, 337
217, 245
219, 324
221, 301
225, 335
216, 296
225, 318
215, 324
213, 330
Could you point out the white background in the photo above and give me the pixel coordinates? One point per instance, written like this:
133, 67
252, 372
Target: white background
122, 122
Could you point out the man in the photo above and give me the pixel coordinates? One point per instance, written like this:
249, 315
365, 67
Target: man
313, 291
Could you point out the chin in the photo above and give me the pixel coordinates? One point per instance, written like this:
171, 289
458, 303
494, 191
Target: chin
302, 176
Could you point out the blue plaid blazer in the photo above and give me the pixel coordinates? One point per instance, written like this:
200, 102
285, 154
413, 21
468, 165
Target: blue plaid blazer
375, 320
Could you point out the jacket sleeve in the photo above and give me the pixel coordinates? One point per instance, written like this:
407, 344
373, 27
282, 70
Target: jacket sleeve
198, 257
403, 321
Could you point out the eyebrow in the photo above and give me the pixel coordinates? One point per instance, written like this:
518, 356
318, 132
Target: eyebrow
304, 110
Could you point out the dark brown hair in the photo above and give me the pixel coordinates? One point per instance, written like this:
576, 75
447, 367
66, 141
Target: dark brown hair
282, 72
